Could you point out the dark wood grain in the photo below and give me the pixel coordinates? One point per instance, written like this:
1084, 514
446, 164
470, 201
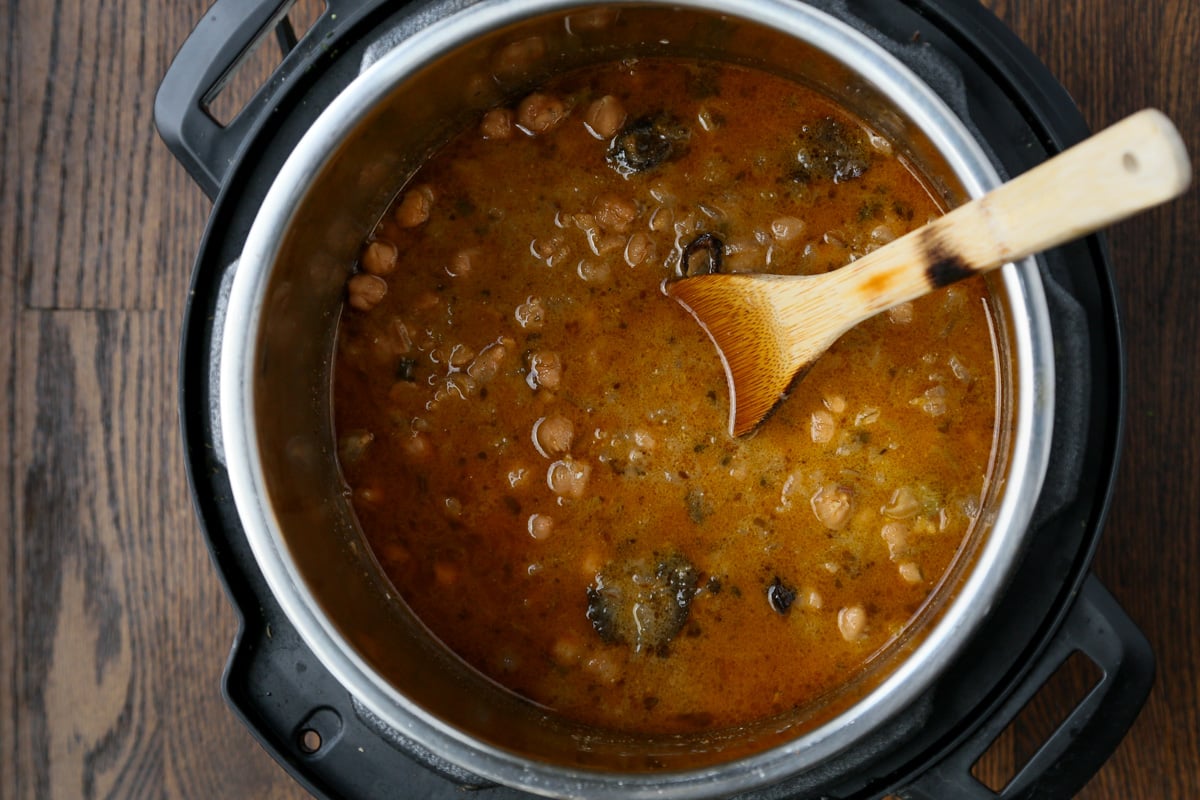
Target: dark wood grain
113, 627
1116, 57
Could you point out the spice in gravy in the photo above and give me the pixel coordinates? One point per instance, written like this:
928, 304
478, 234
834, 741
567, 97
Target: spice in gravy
534, 434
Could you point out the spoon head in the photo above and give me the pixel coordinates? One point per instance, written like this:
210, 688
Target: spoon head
740, 314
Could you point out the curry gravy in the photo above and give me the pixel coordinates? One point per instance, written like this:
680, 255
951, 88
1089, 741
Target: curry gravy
534, 435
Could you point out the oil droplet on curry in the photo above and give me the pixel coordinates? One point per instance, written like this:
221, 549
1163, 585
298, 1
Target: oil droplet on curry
534, 435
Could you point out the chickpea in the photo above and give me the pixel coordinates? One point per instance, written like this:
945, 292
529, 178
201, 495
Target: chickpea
353, 445
460, 356
934, 402
881, 144
531, 314
604, 668
519, 56
896, 536
883, 234
538, 113
904, 504
787, 229
541, 526
835, 403
661, 219
477, 87
568, 478
380, 257
852, 623
486, 365
461, 386
832, 505
613, 212
604, 117
868, 416
418, 447
553, 435
452, 507
590, 227
959, 369
567, 650
592, 562
415, 208
639, 249
551, 250
497, 124
545, 370
365, 291
822, 427
901, 314
462, 263
593, 271
910, 572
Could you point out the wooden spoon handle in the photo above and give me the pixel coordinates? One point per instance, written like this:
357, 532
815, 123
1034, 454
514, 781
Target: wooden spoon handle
1134, 165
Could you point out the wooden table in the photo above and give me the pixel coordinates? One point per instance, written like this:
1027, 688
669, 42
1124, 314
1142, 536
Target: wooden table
113, 626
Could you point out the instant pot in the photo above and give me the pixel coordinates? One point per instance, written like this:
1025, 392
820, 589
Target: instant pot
351, 717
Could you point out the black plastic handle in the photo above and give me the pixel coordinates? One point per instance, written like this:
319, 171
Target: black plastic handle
206, 60
1100, 629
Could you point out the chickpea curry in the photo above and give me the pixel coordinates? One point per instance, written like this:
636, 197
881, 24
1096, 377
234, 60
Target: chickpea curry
534, 436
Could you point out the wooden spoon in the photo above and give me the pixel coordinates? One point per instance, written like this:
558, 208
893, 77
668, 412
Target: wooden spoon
769, 329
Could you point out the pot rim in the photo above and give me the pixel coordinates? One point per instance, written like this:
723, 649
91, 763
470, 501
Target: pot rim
1033, 401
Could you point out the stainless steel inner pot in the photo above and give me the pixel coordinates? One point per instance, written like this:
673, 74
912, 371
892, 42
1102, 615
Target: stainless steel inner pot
277, 342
